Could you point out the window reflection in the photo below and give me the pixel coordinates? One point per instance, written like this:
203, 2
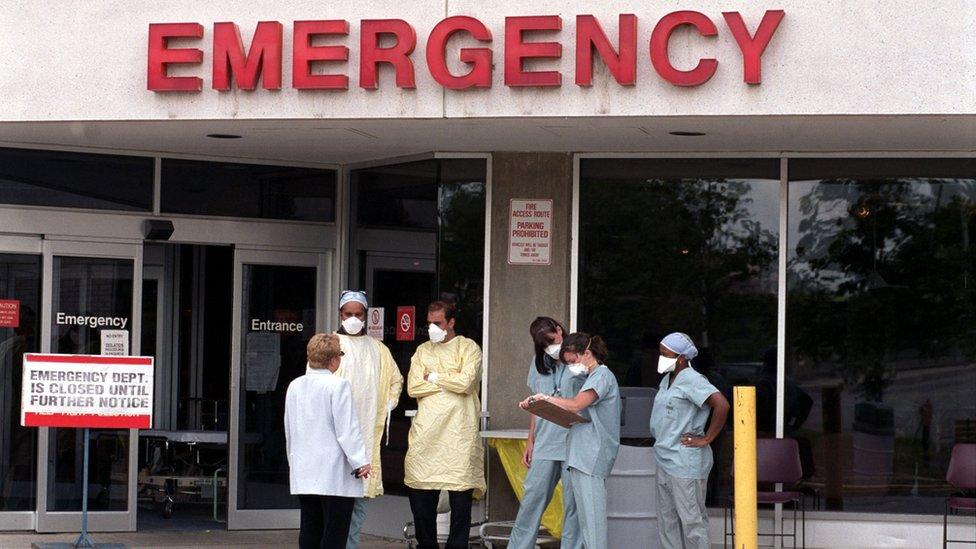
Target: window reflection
684, 245
882, 326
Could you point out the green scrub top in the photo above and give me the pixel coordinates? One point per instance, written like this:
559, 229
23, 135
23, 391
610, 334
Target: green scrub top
680, 409
593, 446
550, 439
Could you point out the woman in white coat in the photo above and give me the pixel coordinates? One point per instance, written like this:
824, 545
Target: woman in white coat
326, 455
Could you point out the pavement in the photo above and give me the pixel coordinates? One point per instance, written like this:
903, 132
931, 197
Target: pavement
211, 539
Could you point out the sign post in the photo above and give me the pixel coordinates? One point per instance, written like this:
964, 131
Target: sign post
87, 391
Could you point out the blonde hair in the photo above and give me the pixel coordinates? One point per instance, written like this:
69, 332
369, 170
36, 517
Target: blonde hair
322, 348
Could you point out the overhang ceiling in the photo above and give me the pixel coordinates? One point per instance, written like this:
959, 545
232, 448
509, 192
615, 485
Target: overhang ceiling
333, 141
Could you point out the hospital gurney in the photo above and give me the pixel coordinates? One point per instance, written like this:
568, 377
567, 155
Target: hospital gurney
182, 467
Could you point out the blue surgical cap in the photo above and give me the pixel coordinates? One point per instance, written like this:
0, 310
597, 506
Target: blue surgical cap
681, 344
349, 296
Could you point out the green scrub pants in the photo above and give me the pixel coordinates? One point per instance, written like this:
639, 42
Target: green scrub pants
540, 481
588, 505
356, 526
681, 514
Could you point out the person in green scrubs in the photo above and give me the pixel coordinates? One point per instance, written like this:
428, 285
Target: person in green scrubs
591, 447
545, 450
682, 406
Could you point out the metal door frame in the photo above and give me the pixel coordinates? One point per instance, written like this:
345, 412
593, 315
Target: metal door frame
26, 245
104, 521
254, 519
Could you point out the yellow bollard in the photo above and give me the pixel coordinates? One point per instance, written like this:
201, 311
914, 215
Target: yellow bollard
744, 438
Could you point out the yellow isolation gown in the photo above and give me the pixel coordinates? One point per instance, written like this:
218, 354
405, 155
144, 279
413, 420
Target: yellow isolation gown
376, 385
446, 451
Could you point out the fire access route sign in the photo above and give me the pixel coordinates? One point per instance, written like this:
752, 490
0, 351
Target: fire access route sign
530, 232
113, 392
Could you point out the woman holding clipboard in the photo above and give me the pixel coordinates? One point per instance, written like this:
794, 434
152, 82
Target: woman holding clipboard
591, 447
545, 450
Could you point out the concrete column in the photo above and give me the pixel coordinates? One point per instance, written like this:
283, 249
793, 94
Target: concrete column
519, 293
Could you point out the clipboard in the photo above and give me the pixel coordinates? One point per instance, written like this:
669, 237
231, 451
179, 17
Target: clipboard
549, 411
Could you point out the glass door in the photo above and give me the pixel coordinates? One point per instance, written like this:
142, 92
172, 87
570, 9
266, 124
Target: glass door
88, 287
20, 301
280, 302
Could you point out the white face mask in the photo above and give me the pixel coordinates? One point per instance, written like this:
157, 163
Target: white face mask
435, 333
353, 325
665, 364
553, 351
577, 369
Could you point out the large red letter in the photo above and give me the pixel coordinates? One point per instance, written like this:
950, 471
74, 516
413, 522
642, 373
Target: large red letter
479, 58
752, 47
590, 35
398, 55
263, 58
659, 48
160, 56
516, 50
303, 54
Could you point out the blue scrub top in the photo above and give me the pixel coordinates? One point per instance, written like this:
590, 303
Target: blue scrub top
550, 439
593, 446
681, 409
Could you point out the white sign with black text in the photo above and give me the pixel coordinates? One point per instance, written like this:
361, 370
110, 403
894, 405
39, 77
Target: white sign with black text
530, 232
374, 322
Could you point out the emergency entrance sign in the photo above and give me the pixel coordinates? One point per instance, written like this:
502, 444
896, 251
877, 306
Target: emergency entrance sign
530, 232
114, 392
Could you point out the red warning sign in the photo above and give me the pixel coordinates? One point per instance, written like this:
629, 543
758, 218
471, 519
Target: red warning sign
9, 313
405, 320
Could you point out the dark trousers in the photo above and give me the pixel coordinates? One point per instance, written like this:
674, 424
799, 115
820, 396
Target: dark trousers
325, 521
423, 504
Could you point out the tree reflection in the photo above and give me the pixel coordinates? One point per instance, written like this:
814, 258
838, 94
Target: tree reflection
882, 272
660, 255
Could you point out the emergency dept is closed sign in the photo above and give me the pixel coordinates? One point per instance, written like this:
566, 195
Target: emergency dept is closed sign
87, 391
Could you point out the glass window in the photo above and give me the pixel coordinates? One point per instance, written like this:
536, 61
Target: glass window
247, 190
20, 296
85, 288
75, 180
397, 196
430, 220
278, 321
881, 327
687, 245
461, 240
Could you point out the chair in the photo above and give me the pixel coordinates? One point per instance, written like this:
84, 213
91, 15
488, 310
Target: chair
961, 475
777, 461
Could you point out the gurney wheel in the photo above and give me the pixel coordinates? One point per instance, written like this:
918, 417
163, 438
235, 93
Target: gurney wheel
167, 509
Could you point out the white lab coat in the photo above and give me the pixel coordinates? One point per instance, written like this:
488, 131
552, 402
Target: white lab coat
323, 436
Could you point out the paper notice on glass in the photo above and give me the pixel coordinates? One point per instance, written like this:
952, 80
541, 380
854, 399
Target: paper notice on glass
262, 361
115, 342
261, 371
262, 342
549, 411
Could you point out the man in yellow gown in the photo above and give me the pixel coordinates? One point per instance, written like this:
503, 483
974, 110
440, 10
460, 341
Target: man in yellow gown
445, 451
376, 385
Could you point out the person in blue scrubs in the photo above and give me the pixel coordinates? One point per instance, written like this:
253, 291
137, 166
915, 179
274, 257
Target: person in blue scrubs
545, 450
591, 447
682, 406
